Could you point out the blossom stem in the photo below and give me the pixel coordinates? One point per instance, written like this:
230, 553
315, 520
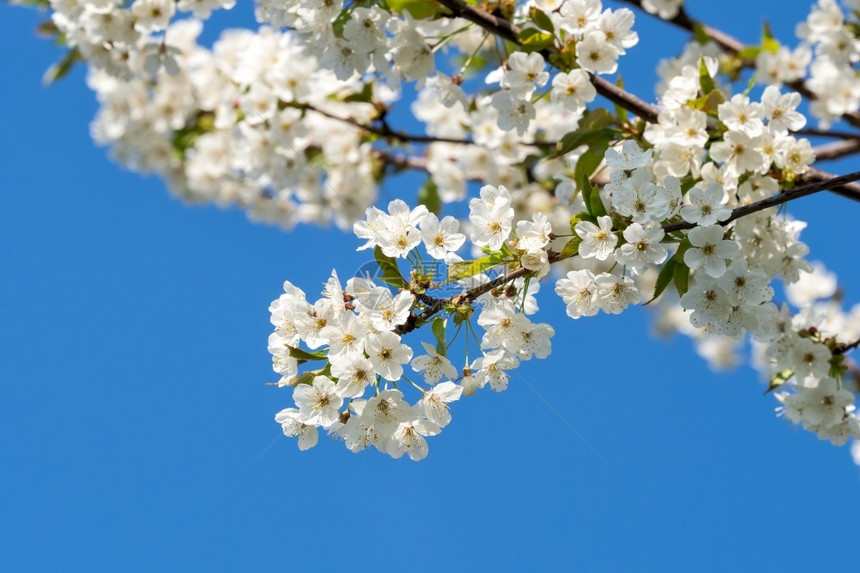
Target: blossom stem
843, 348
384, 130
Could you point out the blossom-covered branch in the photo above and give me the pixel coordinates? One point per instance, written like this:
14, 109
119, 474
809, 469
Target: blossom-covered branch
507, 31
778, 199
386, 131
735, 47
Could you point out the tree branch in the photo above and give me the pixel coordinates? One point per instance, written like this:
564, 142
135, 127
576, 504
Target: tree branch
773, 201
468, 296
508, 31
843, 348
630, 102
812, 132
847, 190
384, 130
837, 149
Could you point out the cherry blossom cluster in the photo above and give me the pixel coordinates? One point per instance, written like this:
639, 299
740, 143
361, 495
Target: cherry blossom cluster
600, 38
357, 331
729, 293
824, 62
831, 49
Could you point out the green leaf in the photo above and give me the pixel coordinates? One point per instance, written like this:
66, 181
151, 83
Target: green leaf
585, 166
768, 42
575, 139
750, 86
364, 96
681, 276
300, 354
576, 218
596, 119
664, 279
779, 379
466, 269
340, 22
705, 80
571, 248
533, 40
620, 112
708, 103
60, 69
420, 9
674, 271
42, 4
683, 246
183, 139
439, 332
541, 20
749, 53
428, 196
390, 271
303, 378
701, 34
47, 29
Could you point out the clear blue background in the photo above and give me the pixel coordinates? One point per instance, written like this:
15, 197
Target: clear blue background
136, 432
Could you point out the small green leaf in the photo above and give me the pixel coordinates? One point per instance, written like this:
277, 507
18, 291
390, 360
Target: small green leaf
47, 29
681, 276
364, 96
701, 34
183, 139
300, 354
390, 271
62, 68
466, 269
578, 138
438, 328
340, 22
620, 112
303, 378
749, 53
533, 40
682, 248
41, 4
428, 196
420, 9
706, 82
779, 379
576, 218
596, 119
768, 42
708, 103
571, 248
664, 279
585, 166
541, 20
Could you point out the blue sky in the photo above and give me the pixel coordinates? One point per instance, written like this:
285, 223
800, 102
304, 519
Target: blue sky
137, 433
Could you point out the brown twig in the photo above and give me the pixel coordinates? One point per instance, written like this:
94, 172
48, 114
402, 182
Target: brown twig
508, 31
837, 149
843, 348
386, 131
773, 201
812, 132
